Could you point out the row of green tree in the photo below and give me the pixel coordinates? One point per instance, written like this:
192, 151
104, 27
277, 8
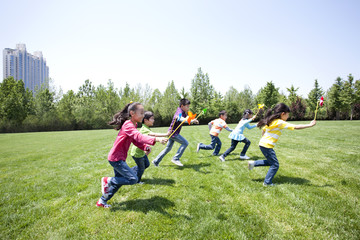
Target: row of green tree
92, 107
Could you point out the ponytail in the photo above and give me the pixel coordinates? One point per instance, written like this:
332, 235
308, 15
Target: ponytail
272, 114
120, 117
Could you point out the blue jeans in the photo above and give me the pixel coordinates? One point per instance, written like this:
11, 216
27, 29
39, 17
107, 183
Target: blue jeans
215, 143
178, 138
141, 164
234, 143
124, 175
271, 161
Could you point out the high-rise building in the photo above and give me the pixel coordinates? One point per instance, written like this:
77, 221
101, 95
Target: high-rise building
20, 64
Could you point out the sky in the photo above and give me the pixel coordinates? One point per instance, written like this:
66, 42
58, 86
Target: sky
237, 43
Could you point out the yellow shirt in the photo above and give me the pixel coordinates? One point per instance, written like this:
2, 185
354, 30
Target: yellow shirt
273, 132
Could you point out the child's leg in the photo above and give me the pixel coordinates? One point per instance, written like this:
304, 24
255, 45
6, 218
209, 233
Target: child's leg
167, 149
211, 146
272, 161
184, 143
246, 146
124, 175
218, 146
140, 167
234, 143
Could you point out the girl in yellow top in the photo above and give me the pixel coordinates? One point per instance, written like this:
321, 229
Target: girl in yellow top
272, 126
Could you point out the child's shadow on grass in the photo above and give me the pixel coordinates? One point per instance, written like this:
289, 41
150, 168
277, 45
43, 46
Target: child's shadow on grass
284, 180
157, 204
159, 181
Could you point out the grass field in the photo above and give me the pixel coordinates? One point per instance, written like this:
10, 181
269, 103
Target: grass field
50, 183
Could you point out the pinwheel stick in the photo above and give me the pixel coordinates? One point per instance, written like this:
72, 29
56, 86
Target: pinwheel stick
177, 128
317, 105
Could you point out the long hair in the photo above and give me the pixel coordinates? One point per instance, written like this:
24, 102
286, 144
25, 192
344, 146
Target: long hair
120, 117
273, 114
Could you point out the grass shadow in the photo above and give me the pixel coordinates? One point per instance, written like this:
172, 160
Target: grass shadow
159, 181
156, 204
287, 180
196, 167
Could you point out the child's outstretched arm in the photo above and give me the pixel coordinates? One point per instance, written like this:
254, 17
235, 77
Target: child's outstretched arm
303, 126
210, 125
229, 129
159, 134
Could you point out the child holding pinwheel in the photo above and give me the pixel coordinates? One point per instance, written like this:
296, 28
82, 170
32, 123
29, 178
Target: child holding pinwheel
237, 135
215, 127
272, 126
174, 132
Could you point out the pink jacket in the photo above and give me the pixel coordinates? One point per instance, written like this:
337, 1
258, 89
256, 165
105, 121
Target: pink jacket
128, 134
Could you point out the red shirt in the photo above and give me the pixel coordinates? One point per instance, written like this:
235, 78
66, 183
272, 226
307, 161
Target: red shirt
128, 134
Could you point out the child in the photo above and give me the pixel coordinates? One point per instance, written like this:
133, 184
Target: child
215, 128
273, 124
237, 135
182, 110
139, 155
128, 134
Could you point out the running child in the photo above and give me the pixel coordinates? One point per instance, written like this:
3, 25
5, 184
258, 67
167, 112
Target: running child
272, 126
215, 127
139, 156
179, 116
237, 135
128, 134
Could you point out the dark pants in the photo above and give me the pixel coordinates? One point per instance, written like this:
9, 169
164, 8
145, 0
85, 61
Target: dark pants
271, 160
141, 164
215, 143
234, 143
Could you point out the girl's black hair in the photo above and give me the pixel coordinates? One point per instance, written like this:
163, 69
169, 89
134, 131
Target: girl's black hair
223, 112
273, 114
120, 117
184, 102
246, 114
147, 115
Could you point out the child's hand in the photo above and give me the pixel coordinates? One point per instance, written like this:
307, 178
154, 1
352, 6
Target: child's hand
162, 140
168, 133
148, 150
312, 123
195, 121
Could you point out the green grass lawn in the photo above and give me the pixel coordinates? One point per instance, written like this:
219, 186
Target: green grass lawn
50, 183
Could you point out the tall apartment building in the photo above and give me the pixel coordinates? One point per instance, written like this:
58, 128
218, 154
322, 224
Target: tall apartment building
20, 64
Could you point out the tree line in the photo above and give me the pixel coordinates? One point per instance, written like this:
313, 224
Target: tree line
92, 107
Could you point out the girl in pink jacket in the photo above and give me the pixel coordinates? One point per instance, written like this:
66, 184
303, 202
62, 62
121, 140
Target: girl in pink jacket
125, 121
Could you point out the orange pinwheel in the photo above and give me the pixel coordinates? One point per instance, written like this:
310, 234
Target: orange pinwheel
191, 116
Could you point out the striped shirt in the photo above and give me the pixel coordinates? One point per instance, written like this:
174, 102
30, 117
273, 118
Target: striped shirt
273, 132
217, 126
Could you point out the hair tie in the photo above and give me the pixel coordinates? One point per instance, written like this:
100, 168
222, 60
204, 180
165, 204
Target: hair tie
131, 101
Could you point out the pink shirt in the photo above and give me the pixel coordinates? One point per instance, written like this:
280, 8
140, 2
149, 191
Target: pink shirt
128, 134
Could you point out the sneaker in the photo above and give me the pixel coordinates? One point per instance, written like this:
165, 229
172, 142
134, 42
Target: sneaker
155, 164
105, 184
104, 205
251, 165
244, 157
177, 162
198, 147
266, 185
222, 158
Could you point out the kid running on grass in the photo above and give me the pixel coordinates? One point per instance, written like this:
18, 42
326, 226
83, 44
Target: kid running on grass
238, 136
215, 127
128, 134
272, 126
139, 155
182, 110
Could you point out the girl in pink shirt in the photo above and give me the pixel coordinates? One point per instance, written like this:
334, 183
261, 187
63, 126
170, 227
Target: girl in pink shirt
128, 134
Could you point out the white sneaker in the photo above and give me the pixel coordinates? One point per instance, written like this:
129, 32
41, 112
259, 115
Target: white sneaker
244, 157
270, 185
155, 164
251, 165
198, 147
177, 162
222, 158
